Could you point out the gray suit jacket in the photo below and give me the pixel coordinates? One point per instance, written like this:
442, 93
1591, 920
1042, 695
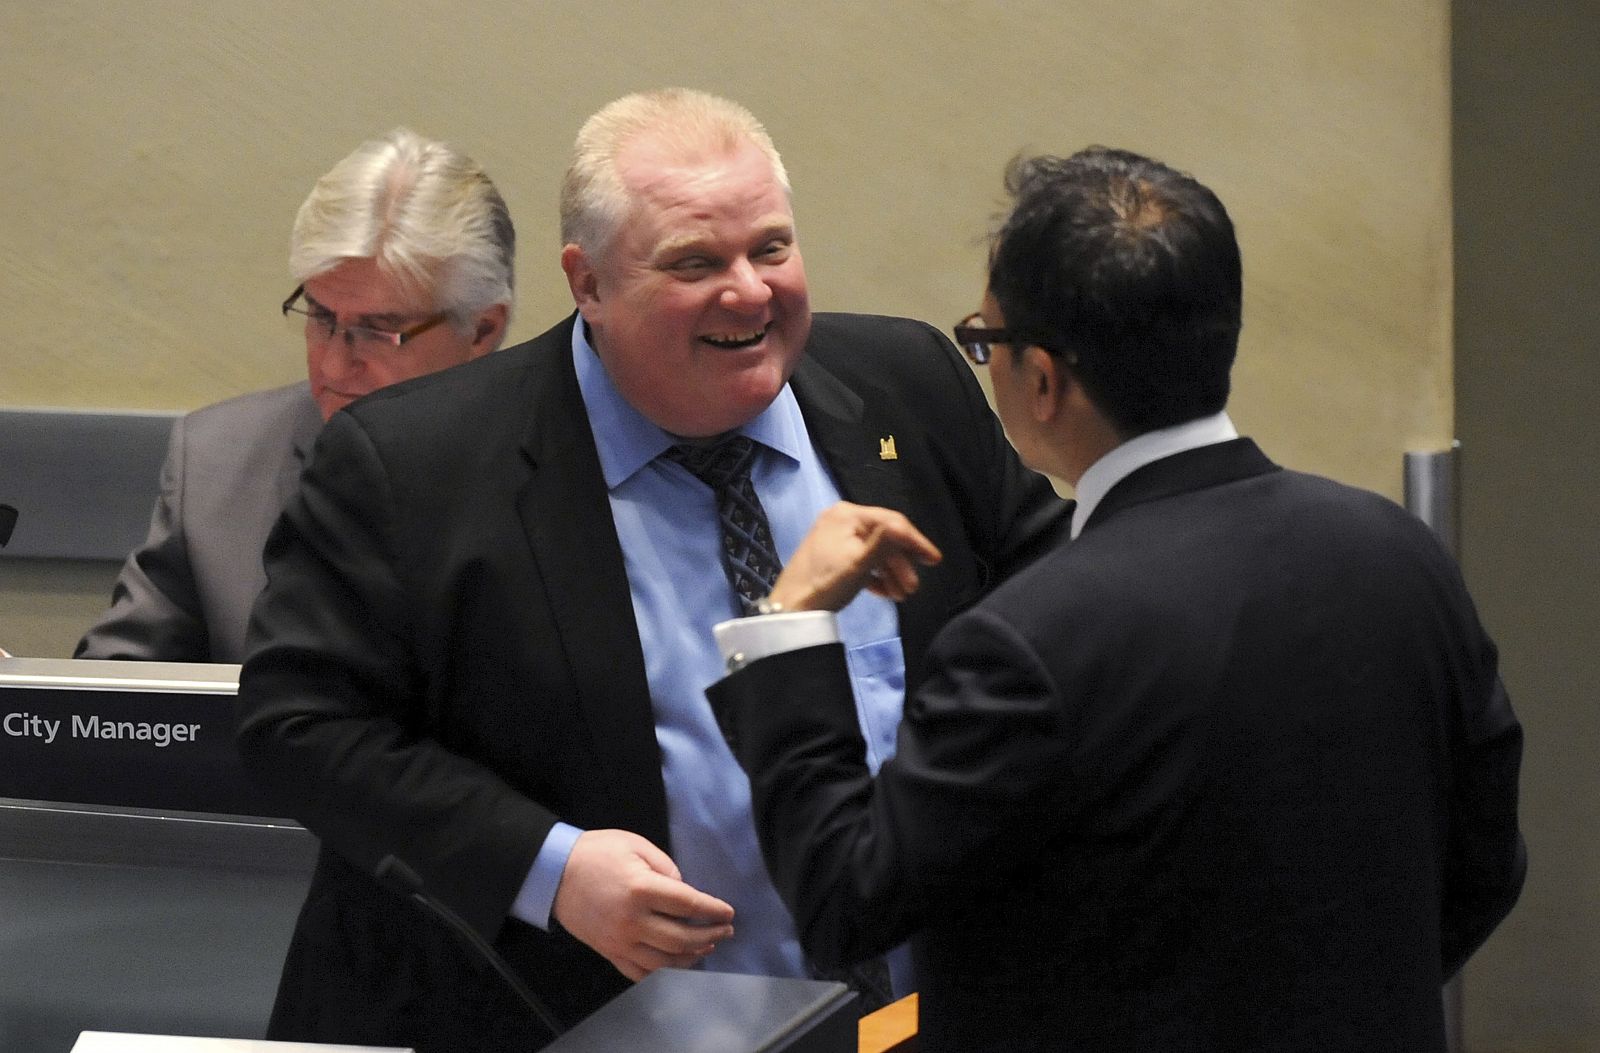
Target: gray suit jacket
185, 594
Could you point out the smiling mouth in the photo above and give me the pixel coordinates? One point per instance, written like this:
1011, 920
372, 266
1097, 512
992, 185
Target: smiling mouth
735, 341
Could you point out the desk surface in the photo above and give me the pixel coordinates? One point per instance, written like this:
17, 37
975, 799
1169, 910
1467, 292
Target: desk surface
892, 1029
118, 1042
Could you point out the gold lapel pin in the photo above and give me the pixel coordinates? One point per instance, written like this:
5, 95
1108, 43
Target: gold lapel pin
886, 450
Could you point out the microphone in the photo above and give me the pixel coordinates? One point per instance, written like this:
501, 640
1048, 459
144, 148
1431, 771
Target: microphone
393, 872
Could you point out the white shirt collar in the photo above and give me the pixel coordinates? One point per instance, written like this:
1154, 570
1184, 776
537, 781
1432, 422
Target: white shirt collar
1139, 451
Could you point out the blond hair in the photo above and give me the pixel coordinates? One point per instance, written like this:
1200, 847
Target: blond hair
688, 122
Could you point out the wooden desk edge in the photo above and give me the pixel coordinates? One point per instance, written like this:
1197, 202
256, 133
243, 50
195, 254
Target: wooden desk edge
892, 1029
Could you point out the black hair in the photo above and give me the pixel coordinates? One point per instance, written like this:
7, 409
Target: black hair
1131, 269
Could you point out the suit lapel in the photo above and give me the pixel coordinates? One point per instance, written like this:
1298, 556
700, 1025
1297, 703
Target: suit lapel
834, 418
851, 445
566, 515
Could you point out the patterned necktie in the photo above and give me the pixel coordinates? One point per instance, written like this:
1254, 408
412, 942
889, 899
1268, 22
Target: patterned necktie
751, 562
748, 556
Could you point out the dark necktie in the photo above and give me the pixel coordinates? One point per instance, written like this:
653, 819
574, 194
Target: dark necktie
748, 556
751, 562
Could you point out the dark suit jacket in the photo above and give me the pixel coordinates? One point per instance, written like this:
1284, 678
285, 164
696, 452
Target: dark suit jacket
185, 594
444, 661
1232, 771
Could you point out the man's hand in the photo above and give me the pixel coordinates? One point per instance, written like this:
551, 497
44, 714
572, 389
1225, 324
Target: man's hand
623, 897
851, 547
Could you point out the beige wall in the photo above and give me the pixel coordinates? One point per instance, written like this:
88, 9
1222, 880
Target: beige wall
158, 151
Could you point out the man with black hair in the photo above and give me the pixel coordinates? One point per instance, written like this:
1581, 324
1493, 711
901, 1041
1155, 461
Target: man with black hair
1232, 769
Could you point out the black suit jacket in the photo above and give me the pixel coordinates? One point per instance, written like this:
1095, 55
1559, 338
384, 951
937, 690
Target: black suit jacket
1232, 771
444, 661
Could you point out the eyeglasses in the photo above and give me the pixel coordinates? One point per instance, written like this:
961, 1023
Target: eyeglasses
324, 324
978, 340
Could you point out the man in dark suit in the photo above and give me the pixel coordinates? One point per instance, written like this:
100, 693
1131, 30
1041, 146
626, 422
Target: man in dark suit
1232, 770
486, 634
402, 255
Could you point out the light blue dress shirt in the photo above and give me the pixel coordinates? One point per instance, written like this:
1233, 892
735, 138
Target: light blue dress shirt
666, 521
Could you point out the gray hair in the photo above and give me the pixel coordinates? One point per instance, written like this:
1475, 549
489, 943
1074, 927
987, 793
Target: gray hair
411, 204
593, 199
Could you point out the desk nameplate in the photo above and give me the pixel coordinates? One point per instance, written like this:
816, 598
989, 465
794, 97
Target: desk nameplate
131, 734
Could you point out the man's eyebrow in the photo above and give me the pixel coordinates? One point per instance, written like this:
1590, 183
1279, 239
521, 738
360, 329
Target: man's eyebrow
389, 319
680, 244
778, 226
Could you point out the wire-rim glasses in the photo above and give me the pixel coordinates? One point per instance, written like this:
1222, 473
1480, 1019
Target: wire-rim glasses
325, 324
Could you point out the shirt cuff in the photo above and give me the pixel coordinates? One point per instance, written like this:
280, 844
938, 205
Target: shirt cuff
743, 640
538, 895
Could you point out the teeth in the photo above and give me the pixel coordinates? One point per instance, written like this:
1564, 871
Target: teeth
737, 338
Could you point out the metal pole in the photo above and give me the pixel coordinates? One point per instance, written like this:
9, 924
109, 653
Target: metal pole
1431, 485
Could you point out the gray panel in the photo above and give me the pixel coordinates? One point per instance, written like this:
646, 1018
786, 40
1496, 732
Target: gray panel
83, 482
125, 920
99, 835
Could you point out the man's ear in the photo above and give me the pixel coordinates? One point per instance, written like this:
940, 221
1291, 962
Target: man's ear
490, 329
1047, 381
581, 277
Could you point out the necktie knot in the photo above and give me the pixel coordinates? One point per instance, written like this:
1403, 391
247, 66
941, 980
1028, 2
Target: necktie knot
717, 464
749, 558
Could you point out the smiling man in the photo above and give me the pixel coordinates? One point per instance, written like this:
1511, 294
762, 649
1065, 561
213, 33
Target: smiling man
403, 254
487, 635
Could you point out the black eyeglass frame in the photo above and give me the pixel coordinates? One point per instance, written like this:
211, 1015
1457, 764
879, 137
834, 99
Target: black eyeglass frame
394, 338
977, 340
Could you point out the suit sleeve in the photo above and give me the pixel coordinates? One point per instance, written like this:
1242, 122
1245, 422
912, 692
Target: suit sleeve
863, 863
155, 612
1487, 858
333, 713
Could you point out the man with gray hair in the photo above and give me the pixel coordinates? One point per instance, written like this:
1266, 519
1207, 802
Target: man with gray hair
403, 259
483, 649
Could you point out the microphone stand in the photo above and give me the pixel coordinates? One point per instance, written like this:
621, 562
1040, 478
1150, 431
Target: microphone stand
392, 871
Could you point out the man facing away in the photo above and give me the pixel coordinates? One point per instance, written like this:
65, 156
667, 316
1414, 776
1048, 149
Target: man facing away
1231, 771
402, 256
484, 643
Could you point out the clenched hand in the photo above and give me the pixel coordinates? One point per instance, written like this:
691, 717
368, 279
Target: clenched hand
624, 897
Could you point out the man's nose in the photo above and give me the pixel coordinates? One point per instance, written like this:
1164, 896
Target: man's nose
746, 288
339, 357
